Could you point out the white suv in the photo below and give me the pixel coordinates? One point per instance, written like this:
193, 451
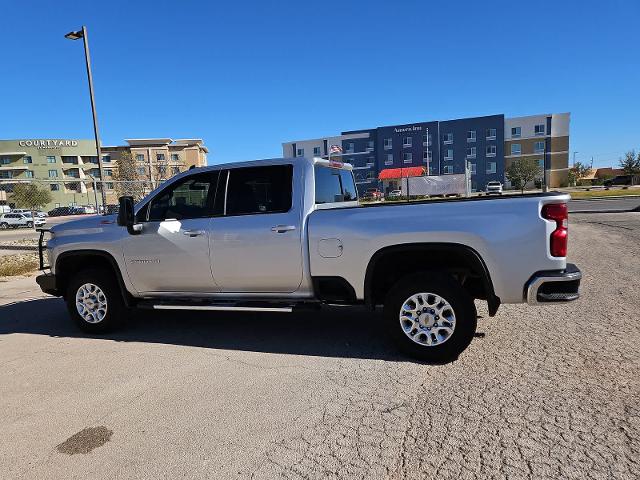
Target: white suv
15, 220
493, 187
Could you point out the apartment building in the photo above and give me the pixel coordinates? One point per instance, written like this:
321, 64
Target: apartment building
68, 167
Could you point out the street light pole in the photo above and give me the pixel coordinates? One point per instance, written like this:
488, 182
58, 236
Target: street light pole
87, 56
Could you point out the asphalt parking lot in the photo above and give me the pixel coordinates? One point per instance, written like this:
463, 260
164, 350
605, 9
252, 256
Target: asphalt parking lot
542, 392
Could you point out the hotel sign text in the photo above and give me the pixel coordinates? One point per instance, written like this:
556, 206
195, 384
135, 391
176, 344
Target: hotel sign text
48, 143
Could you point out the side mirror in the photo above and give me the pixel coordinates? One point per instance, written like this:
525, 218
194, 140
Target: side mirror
126, 217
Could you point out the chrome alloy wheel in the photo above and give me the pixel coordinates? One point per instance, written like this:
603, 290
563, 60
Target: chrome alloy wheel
91, 303
427, 319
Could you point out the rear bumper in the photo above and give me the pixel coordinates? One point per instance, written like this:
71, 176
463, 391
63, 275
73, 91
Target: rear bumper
48, 284
556, 286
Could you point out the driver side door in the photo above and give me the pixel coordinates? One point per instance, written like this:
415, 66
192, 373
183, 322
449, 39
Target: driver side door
171, 254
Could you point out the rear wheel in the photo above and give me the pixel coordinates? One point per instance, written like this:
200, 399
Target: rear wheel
29, 224
4, 225
95, 302
430, 316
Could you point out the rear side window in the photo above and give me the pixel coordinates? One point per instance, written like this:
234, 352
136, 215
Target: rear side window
334, 185
255, 190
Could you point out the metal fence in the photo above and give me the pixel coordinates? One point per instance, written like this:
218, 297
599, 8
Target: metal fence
73, 195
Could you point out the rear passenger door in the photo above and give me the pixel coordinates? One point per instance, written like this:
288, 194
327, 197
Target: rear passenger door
256, 244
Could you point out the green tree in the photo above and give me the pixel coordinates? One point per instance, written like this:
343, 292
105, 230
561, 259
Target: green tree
523, 171
30, 196
126, 177
630, 164
578, 172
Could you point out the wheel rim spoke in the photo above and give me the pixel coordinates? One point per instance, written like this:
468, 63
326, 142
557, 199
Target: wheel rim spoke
91, 303
427, 318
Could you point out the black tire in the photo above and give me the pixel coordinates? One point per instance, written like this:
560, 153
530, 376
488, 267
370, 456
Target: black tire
116, 311
4, 225
450, 290
29, 224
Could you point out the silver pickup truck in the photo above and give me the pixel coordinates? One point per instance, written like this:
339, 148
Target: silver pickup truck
286, 234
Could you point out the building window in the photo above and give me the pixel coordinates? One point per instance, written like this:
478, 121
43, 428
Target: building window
108, 185
108, 172
51, 159
516, 132
449, 154
5, 161
370, 146
351, 147
541, 163
426, 140
516, 149
388, 144
371, 161
539, 129
407, 142
28, 174
54, 187
471, 136
491, 133
491, 167
407, 157
448, 138
160, 157
300, 152
316, 150
53, 173
447, 169
471, 152
175, 170
175, 157
27, 159
491, 151
427, 155
389, 160
139, 157
472, 168
106, 158
538, 147
141, 170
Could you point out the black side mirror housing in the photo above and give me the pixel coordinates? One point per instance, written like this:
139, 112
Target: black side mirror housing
126, 217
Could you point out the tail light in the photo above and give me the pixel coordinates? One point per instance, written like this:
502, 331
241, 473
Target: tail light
558, 213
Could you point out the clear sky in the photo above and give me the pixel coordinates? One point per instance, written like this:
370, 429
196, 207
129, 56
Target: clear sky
246, 76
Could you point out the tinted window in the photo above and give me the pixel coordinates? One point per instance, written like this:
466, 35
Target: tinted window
334, 185
188, 198
259, 190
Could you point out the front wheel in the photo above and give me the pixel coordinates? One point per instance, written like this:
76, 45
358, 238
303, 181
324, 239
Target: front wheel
95, 302
430, 316
29, 224
4, 226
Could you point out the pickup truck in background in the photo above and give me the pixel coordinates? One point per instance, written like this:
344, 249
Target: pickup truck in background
286, 234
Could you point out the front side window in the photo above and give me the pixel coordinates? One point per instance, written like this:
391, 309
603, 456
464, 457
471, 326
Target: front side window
254, 190
334, 185
189, 198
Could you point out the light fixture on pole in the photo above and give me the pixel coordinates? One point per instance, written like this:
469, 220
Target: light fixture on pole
77, 35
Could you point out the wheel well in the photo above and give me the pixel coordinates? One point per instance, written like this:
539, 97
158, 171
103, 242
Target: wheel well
390, 264
70, 263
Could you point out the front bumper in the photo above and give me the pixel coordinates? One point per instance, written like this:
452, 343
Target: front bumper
48, 284
556, 286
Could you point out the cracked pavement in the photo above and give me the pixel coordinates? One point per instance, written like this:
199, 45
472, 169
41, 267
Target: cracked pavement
547, 392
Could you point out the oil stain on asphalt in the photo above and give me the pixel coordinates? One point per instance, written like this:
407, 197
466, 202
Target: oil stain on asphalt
85, 440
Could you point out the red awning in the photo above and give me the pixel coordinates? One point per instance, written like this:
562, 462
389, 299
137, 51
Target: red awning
389, 173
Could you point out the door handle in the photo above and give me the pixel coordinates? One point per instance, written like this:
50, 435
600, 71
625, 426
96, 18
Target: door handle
282, 228
193, 233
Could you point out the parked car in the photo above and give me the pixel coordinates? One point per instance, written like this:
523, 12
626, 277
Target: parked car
251, 237
16, 220
372, 194
41, 214
60, 211
493, 187
395, 194
619, 180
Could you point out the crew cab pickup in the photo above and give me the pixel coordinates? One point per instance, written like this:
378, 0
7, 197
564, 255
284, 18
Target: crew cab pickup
286, 234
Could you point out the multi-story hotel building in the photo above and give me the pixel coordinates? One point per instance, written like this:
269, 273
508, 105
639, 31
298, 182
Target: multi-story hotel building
488, 144
68, 167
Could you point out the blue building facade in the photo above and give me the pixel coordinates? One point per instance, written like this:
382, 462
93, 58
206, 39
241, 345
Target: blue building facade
440, 147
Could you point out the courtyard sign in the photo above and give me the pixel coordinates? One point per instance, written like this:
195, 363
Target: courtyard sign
48, 143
